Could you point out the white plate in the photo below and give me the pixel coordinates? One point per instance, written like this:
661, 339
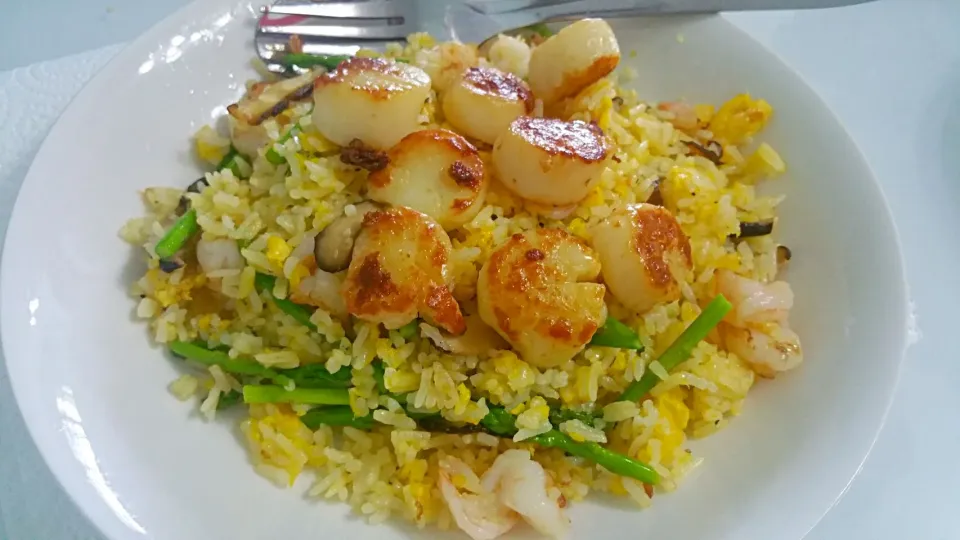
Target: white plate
140, 464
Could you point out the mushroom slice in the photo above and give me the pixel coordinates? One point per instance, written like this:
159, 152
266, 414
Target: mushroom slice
335, 243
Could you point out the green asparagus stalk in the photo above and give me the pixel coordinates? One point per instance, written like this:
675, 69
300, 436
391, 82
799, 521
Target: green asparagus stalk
272, 155
681, 349
614, 333
339, 415
185, 227
300, 313
229, 399
540, 29
306, 376
257, 393
178, 235
229, 161
608, 459
409, 330
304, 60
236, 366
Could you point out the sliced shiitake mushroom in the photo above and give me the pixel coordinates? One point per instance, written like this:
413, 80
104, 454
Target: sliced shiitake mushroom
335, 243
783, 255
750, 229
656, 197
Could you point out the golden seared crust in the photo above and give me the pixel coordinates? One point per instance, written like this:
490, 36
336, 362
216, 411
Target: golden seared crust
575, 139
398, 77
433, 171
359, 155
398, 271
376, 291
657, 236
493, 82
466, 175
531, 287
576, 81
466, 171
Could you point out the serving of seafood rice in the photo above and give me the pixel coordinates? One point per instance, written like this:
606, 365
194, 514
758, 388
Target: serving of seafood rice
465, 286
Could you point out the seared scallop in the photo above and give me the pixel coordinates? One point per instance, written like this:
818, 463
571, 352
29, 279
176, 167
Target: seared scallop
536, 292
576, 57
550, 161
642, 250
436, 172
370, 99
483, 101
400, 271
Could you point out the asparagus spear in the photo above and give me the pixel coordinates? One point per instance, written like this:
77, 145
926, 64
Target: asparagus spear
236, 366
614, 333
229, 399
258, 393
559, 415
178, 235
540, 29
680, 350
608, 459
304, 60
317, 376
185, 227
500, 422
229, 161
338, 415
300, 313
307, 376
409, 330
272, 155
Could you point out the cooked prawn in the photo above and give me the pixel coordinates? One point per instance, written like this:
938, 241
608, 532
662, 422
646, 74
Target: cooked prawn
522, 486
755, 302
514, 486
477, 511
322, 289
535, 291
684, 115
220, 254
757, 330
400, 269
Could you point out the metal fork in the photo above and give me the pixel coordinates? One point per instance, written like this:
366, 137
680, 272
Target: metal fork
344, 26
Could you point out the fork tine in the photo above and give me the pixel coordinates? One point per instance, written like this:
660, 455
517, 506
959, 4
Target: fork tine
371, 9
491, 7
274, 47
341, 31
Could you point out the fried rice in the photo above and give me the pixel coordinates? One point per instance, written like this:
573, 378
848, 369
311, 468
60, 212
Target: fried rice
392, 470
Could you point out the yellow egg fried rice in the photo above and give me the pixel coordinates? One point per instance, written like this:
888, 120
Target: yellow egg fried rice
392, 469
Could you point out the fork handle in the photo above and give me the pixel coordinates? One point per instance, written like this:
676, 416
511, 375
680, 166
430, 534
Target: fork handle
560, 10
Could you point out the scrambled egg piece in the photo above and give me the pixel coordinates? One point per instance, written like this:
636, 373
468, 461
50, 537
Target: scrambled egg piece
740, 118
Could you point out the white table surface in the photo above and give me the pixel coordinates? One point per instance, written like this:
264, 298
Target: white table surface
890, 70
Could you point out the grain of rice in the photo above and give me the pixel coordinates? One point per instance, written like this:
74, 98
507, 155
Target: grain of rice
184, 387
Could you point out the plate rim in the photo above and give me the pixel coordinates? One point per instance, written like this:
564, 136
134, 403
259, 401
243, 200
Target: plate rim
53, 450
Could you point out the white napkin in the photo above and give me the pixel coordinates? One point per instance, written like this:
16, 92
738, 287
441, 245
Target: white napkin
32, 504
